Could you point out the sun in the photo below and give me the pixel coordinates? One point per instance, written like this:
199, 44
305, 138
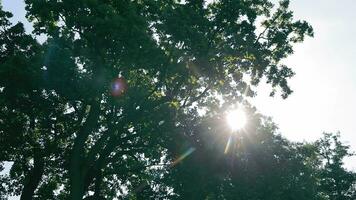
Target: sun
236, 119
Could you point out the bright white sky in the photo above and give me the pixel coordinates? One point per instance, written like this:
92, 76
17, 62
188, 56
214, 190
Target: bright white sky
325, 81
324, 97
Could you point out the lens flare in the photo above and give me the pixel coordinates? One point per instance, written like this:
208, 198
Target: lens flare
118, 87
184, 155
236, 119
227, 147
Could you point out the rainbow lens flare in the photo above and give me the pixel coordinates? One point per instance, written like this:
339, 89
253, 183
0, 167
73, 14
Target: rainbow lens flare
118, 87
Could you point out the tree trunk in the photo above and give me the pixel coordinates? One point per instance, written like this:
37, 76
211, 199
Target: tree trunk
77, 168
34, 177
97, 189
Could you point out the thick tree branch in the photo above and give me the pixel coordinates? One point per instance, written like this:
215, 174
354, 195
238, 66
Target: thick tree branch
34, 177
76, 163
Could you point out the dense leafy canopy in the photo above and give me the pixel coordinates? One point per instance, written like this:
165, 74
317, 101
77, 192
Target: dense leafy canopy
110, 104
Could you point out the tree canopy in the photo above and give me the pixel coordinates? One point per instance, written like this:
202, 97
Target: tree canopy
126, 100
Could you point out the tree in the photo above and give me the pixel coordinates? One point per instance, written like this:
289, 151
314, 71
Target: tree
259, 164
19, 71
114, 88
336, 183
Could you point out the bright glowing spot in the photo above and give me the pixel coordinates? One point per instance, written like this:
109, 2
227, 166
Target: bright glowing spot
118, 87
236, 119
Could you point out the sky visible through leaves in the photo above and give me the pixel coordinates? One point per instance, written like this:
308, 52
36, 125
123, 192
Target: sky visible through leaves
324, 85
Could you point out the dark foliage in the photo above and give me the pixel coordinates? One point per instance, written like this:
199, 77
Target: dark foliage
108, 106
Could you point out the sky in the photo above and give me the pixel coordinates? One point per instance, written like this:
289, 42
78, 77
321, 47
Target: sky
324, 98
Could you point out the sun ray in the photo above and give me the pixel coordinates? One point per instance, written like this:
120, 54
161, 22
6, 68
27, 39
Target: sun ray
227, 145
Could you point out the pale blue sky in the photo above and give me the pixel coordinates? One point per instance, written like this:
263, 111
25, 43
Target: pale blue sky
325, 81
